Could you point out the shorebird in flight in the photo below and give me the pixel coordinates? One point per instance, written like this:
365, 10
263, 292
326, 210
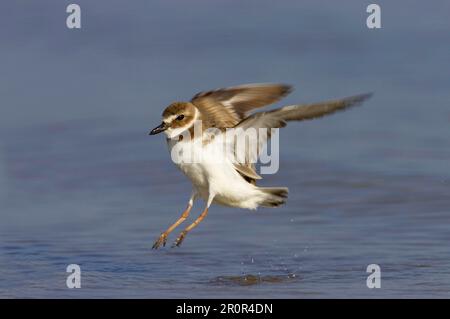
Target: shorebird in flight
217, 177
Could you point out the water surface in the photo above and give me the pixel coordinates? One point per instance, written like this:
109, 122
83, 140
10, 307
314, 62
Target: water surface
81, 182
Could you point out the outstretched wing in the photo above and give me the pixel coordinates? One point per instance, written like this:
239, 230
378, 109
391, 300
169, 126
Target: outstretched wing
227, 107
279, 117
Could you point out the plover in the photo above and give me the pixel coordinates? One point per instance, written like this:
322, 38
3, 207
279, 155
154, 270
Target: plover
216, 177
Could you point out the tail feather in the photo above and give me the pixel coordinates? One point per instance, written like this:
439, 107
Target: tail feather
273, 196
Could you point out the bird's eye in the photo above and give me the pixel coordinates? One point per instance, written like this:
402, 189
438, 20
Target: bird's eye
180, 117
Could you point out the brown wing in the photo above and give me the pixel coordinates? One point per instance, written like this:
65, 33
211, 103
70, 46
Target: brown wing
226, 107
279, 117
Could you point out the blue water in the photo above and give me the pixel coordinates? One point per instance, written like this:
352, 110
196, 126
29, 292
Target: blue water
82, 182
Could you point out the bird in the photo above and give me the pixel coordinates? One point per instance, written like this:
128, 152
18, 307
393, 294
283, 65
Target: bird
217, 177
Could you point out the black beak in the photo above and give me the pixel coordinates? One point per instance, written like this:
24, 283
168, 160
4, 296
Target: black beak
158, 129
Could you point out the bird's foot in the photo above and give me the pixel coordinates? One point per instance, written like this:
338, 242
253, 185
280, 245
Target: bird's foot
180, 239
160, 241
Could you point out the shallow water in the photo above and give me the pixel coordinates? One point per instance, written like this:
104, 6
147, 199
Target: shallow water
102, 201
81, 182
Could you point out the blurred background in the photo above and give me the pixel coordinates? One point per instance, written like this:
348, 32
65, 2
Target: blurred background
82, 182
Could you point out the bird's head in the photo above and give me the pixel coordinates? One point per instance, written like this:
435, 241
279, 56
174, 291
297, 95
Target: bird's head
176, 118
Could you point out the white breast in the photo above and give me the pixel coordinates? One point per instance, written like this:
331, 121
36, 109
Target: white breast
211, 171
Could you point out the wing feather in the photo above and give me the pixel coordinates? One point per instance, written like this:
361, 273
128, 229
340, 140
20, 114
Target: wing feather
277, 118
226, 107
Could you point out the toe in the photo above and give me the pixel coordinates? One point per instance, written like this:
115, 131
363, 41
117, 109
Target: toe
179, 240
160, 241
